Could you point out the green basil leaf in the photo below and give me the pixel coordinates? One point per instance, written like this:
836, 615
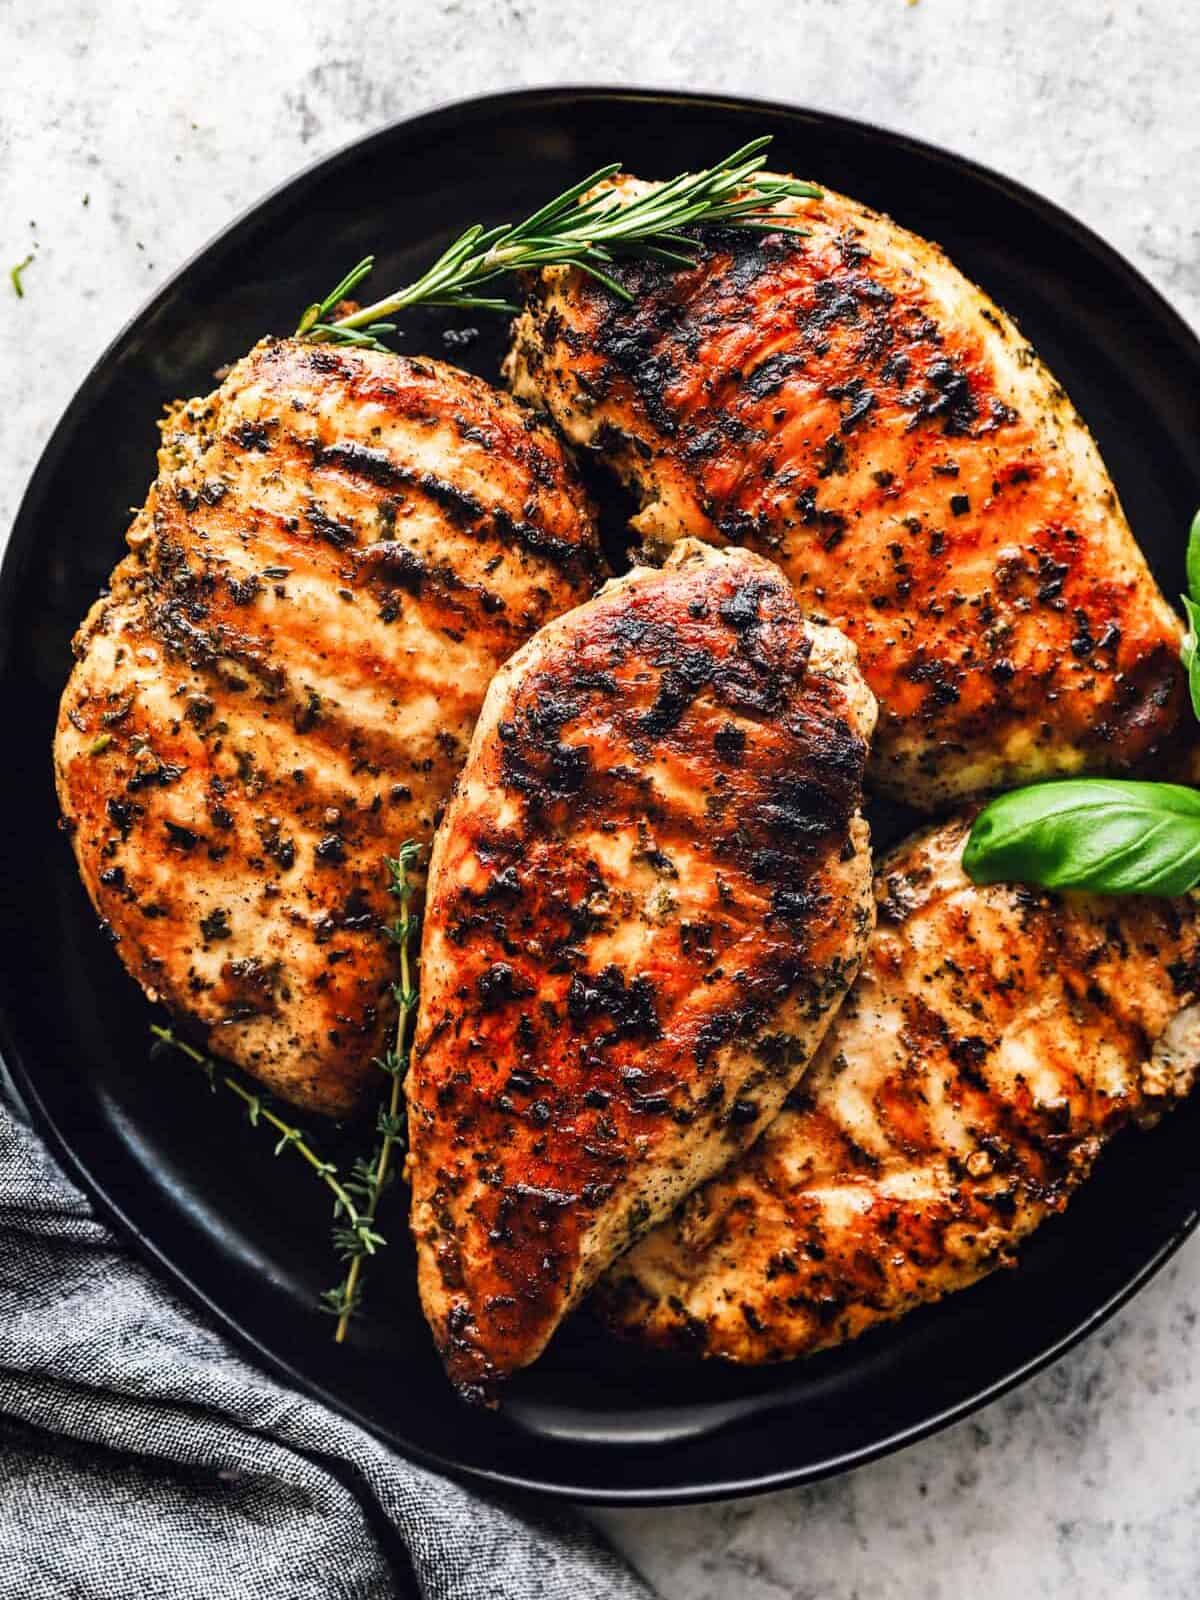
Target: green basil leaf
1193, 558
1108, 836
1188, 653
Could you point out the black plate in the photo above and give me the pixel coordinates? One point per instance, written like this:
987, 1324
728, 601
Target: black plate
196, 1189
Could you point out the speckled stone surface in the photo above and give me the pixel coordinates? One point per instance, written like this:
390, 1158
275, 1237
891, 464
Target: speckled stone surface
129, 134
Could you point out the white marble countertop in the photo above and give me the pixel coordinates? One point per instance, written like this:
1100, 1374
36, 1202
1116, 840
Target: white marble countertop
128, 135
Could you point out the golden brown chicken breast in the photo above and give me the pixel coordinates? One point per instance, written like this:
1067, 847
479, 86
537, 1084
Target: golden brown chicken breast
339, 551
649, 893
996, 1037
848, 404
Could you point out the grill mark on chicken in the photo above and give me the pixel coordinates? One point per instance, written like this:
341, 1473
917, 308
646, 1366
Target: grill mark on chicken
199, 615
849, 405
283, 682
345, 480
464, 509
996, 1038
632, 943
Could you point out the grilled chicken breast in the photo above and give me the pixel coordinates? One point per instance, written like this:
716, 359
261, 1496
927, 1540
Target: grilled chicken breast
848, 404
994, 1040
339, 551
649, 893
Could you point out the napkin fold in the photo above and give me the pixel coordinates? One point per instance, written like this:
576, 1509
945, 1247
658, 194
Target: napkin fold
142, 1456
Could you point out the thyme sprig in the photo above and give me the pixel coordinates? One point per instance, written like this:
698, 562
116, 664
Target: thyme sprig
259, 1111
372, 1175
355, 1197
585, 227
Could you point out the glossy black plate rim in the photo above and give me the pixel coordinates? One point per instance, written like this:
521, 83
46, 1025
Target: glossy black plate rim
22, 1074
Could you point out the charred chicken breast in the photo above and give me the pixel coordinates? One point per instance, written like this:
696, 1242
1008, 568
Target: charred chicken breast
995, 1039
649, 892
340, 549
850, 405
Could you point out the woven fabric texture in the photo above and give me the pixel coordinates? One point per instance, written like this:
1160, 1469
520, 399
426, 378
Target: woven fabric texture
142, 1456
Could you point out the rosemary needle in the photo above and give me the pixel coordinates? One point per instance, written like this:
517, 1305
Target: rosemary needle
586, 227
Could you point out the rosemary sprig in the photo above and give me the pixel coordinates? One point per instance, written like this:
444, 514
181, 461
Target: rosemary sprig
371, 1176
316, 316
290, 1137
588, 230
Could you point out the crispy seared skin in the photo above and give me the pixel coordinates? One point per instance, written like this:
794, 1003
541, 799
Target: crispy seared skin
848, 404
650, 891
996, 1037
339, 551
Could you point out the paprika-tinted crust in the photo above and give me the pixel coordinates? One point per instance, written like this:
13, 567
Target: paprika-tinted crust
850, 405
996, 1037
649, 893
340, 549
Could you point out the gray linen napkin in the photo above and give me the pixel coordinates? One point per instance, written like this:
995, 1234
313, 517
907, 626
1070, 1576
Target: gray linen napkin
141, 1456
